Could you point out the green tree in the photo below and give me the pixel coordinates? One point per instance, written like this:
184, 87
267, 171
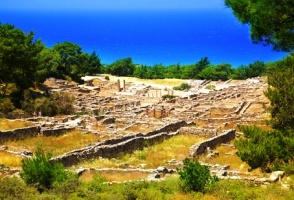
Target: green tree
49, 62
194, 176
70, 54
173, 71
265, 149
92, 65
19, 58
183, 86
218, 72
280, 92
123, 67
40, 172
271, 21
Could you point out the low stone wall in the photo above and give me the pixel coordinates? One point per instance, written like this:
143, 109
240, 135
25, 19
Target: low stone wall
56, 131
212, 143
21, 133
115, 147
202, 132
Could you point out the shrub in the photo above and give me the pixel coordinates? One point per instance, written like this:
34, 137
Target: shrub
40, 172
168, 96
6, 105
56, 103
14, 188
107, 78
210, 87
194, 176
183, 86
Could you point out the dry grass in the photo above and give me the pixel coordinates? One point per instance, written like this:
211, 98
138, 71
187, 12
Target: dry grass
227, 155
10, 160
153, 156
142, 128
6, 124
162, 82
57, 145
114, 176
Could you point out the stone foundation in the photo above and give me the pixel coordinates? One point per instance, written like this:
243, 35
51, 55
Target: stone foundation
115, 147
212, 143
21, 133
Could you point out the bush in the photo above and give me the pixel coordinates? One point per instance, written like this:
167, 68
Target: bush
168, 96
6, 105
183, 86
195, 177
14, 188
210, 87
56, 103
41, 173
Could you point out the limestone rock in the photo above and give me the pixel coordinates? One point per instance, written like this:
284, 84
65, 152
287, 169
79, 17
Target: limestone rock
276, 175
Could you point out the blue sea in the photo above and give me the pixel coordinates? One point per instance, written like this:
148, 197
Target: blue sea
148, 36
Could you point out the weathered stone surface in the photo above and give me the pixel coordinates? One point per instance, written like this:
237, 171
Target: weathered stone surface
276, 175
114, 147
21, 133
201, 147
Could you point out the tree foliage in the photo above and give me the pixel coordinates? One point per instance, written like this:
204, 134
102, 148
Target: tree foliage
18, 58
194, 176
265, 149
271, 21
281, 93
183, 86
219, 72
258, 68
123, 67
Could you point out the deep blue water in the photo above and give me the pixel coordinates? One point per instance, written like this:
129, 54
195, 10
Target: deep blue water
149, 37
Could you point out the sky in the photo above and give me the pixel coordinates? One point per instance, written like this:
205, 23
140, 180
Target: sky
109, 4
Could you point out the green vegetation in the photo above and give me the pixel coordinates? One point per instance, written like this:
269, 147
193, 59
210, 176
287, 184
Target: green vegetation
271, 22
183, 86
281, 93
49, 105
210, 87
123, 67
41, 173
168, 96
195, 177
268, 150
14, 188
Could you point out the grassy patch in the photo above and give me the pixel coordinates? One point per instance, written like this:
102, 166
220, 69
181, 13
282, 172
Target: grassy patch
57, 145
152, 156
6, 124
227, 155
114, 176
10, 160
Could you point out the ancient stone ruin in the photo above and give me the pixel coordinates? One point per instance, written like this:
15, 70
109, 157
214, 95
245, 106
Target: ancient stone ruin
129, 113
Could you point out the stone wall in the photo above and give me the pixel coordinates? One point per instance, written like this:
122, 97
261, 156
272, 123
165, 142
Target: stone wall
202, 132
212, 143
21, 133
56, 131
115, 147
